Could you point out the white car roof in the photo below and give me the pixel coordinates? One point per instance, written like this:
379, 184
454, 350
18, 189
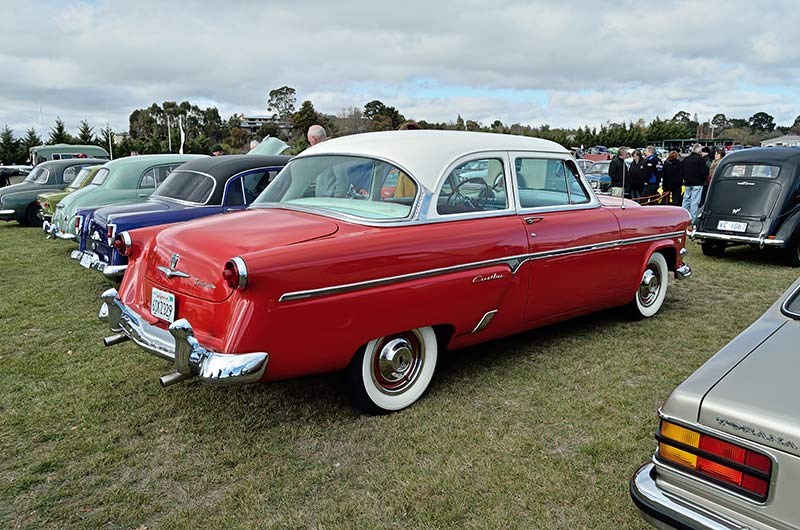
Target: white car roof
426, 153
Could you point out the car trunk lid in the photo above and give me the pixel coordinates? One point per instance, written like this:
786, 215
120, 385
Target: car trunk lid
740, 200
756, 400
203, 246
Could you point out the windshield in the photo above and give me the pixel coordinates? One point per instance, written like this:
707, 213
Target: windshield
100, 176
361, 187
38, 176
81, 178
270, 146
186, 186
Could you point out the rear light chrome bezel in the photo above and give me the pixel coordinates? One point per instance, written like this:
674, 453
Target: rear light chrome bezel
111, 233
236, 264
125, 239
719, 484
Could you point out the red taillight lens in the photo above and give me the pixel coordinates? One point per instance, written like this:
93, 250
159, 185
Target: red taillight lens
110, 232
46, 205
724, 462
235, 273
122, 244
77, 223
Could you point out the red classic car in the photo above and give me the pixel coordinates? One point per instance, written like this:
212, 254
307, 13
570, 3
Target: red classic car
327, 271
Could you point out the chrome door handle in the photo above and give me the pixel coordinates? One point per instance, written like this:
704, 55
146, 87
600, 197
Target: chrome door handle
531, 220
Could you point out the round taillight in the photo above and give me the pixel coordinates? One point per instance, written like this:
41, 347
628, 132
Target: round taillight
122, 244
235, 273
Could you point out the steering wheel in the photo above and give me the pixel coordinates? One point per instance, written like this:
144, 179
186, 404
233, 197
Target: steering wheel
475, 203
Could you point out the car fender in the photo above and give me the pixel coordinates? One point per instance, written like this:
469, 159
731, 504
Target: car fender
788, 230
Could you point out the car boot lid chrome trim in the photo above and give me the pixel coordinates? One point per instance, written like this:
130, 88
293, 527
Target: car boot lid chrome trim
513, 263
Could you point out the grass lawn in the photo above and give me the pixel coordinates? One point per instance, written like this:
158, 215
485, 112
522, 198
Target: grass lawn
540, 430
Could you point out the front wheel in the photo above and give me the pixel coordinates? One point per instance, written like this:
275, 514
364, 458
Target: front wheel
652, 288
31, 215
392, 372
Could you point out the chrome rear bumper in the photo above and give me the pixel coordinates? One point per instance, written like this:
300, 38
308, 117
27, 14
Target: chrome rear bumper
667, 512
178, 344
95, 263
683, 272
760, 241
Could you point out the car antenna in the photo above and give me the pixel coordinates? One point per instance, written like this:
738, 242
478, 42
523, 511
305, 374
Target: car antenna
624, 167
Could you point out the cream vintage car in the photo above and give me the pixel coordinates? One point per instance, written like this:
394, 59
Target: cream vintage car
728, 444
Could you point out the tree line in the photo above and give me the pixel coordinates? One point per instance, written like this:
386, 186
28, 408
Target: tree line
155, 129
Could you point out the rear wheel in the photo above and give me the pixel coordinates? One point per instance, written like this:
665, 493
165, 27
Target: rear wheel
793, 252
31, 217
713, 248
652, 288
393, 372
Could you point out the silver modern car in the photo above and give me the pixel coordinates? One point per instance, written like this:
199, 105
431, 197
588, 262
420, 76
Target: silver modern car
728, 444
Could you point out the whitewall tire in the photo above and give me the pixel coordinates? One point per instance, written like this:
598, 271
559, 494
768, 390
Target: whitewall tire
652, 288
391, 373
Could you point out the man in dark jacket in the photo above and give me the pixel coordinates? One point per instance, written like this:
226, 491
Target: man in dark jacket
673, 178
617, 171
695, 172
652, 172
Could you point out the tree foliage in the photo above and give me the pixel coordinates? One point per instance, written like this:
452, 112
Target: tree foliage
281, 103
59, 134
11, 151
762, 122
85, 133
383, 117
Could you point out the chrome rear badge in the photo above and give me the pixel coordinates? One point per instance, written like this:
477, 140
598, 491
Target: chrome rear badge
172, 271
736, 210
756, 433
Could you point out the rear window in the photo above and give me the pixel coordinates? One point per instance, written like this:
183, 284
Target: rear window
100, 176
737, 171
186, 186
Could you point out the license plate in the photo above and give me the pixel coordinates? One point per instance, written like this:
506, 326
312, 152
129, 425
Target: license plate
732, 226
162, 305
86, 260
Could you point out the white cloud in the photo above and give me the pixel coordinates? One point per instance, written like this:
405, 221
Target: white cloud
594, 61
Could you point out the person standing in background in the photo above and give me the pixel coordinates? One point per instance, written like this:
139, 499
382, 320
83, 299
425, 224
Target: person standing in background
694, 176
636, 175
652, 169
673, 178
618, 171
718, 154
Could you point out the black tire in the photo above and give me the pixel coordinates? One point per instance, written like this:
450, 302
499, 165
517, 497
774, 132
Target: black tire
31, 215
380, 385
652, 290
793, 253
713, 248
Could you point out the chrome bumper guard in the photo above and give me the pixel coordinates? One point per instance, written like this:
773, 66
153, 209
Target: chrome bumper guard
668, 512
760, 241
95, 263
58, 234
683, 272
7, 212
179, 346
50, 229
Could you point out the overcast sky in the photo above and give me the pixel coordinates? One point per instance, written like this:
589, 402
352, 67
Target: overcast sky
561, 63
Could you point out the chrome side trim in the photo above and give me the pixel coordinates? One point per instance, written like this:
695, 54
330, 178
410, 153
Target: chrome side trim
484, 321
664, 510
7, 212
513, 262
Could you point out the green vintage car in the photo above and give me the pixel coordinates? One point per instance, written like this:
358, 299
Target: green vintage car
18, 202
48, 201
43, 153
124, 180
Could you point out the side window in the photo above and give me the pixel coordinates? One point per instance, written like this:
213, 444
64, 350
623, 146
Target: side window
577, 194
233, 193
254, 183
541, 182
70, 173
474, 186
148, 179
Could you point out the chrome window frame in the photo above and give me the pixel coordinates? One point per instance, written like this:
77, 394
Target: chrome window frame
182, 201
502, 156
593, 203
46, 172
413, 212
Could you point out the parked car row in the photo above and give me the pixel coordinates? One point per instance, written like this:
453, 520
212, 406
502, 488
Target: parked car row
371, 254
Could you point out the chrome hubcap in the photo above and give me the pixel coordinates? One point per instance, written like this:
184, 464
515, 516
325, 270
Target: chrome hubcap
649, 287
397, 362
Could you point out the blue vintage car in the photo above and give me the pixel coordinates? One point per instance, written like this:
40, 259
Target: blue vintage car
198, 188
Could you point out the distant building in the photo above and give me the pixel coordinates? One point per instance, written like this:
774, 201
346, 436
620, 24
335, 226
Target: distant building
252, 124
119, 136
790, 140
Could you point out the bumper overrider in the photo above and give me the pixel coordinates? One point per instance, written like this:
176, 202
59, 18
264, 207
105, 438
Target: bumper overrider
90, 260
53, 232
666, 511
178, 345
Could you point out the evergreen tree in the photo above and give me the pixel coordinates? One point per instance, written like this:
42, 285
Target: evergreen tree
59, 134
105, 139
10, 152
85, 133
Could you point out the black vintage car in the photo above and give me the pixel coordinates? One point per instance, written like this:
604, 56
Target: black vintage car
754, 199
